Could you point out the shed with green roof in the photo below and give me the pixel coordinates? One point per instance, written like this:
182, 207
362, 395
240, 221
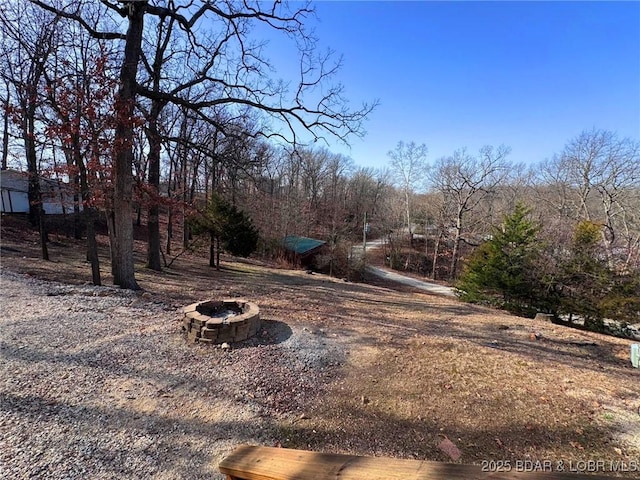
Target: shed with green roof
302, 249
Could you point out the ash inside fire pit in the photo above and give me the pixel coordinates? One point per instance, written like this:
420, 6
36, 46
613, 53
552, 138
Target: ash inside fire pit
220, 321
218, 309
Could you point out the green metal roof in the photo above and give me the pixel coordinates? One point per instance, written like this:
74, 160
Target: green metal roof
301, 245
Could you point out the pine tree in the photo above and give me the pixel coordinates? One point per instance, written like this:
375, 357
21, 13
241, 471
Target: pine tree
227, 227
502, 269
585, 278
239, 237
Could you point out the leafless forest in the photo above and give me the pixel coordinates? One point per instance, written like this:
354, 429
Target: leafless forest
149, 109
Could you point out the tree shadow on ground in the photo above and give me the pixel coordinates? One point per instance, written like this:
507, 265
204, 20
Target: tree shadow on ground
81, 430
555, 344
420, 438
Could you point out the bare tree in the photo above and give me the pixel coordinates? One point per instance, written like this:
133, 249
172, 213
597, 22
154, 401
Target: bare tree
464, 182
601, 175
338, 170
80, 94
6, 102
29, 37
247, 85
408, 163
366, 192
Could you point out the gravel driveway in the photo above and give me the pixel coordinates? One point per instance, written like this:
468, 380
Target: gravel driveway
97, 382
429, 287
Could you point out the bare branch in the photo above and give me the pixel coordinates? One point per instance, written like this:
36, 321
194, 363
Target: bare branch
76, 17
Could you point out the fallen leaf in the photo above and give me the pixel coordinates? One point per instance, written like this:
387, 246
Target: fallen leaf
576, 445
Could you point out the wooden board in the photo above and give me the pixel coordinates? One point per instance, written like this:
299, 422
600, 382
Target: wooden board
268, 463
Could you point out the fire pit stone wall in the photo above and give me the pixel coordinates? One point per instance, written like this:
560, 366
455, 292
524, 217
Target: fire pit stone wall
221, 321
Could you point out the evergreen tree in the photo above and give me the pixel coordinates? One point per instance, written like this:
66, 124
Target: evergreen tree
622, 303
502, 270
228, 228
239, 236
585, 280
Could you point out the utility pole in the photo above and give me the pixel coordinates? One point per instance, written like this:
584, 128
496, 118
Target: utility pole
364, 234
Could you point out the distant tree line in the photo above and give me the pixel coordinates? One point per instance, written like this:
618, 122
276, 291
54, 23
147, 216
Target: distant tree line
561, 236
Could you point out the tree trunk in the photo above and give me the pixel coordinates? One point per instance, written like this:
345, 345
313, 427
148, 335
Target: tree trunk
212, 251
181, 177
5, 131
170, 189
169, 229
123, 263
33, 194
43, 234
111, 230
436, 252
72, 157
153, 243
426, 250
77, 227
456, 247
153, 220
186, 234
217, 253
408, 213
89, 214
36, 210
92, 245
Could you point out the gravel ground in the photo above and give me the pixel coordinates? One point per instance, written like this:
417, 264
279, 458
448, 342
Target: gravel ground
97, 382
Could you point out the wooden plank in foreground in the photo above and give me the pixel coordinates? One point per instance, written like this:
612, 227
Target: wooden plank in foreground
269, 463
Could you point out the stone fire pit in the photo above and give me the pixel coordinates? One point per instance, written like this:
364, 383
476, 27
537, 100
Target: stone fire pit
220, 321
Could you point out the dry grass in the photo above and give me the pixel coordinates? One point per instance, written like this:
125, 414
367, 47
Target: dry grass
420, 368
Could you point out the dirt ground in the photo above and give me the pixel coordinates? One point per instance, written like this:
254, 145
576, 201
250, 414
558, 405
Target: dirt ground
420, 369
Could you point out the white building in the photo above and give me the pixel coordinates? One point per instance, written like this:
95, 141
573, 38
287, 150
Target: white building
57, 196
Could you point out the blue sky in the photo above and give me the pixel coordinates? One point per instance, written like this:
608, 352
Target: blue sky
531, 75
